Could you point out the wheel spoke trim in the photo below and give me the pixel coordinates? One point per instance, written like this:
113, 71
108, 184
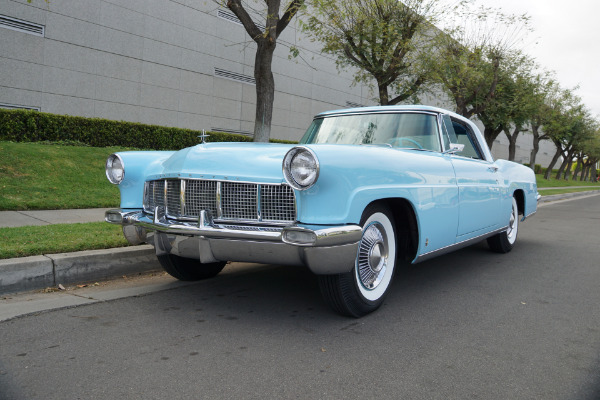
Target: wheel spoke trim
513, 225
372, 256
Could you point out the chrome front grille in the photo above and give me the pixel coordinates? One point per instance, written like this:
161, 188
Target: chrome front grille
200, 195
226, 201
239, 201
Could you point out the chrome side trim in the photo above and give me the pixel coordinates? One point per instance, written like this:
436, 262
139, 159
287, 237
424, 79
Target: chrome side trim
456, 246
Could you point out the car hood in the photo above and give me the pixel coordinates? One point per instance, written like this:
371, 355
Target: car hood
255, 162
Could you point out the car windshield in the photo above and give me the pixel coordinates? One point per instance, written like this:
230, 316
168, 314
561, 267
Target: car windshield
404, 130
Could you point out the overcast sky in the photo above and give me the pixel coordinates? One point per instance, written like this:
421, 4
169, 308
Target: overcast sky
566, 39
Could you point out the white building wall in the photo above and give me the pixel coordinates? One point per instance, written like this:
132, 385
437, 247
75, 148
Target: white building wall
153, 61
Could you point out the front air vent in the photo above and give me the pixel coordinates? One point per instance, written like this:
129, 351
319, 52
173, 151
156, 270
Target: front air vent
18, 107
21, 26
229, 16
234, 76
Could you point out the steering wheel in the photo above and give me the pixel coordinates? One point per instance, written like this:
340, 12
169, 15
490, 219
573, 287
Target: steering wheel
397, 140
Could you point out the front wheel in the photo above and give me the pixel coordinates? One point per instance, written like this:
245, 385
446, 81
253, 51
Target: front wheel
503, 242
363, 289
188, 269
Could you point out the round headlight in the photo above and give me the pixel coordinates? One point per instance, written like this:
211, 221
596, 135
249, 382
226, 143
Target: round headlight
300, 168
115, 170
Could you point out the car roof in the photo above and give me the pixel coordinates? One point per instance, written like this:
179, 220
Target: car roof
375, 109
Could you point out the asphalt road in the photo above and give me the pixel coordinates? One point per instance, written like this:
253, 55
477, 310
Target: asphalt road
468, 325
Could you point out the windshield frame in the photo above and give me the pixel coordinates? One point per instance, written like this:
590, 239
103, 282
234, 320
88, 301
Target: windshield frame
315, 125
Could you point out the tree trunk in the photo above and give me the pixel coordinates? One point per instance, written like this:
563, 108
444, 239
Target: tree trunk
461, 106
383, 94
568, 154
552, 163
584, 173
265, 90
512, 143
562, 167
490, 135
536, 145
578, 168
567, 172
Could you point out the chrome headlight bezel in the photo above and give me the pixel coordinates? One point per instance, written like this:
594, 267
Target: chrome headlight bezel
112, 172
291, 170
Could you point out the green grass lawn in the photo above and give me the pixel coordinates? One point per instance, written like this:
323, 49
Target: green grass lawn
35, 176
542, 183
49, 239
550, 192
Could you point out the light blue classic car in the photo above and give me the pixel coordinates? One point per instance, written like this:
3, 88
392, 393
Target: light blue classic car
366, 189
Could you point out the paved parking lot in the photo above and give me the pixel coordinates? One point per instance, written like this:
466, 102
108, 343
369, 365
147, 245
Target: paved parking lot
469, 325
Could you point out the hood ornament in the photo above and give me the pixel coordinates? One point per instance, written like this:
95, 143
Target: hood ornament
203, 136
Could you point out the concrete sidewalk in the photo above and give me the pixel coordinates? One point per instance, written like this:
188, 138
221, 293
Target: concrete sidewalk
38, 272
11, 219
50, 270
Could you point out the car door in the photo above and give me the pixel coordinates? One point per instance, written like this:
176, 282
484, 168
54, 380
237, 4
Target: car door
478, 182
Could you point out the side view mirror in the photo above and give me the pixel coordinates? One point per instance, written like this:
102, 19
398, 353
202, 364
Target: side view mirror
455, 148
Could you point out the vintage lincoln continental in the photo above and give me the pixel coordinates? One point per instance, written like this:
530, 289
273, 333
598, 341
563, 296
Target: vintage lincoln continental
364, 190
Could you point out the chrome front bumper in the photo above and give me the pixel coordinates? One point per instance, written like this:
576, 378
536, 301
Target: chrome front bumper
324, 250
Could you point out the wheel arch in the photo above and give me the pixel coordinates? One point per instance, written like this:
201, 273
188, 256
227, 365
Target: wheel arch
405, 223
519, 195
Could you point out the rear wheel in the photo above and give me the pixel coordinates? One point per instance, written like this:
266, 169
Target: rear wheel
363, 289
188, 269
505, 241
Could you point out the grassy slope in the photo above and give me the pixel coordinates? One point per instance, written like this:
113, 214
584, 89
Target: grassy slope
61, 238
36, 176
543, 183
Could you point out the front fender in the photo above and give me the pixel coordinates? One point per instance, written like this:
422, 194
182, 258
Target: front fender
138, 165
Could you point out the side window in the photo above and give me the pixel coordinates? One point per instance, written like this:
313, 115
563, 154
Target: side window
465, 136
448, 134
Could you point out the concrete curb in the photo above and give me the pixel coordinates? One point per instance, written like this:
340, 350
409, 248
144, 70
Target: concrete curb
38, 272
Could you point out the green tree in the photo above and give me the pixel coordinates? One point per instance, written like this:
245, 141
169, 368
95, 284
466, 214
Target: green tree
567, 124
590, 157
508, 109
545, 87
266, 41
382, 39
522, 108
469, 63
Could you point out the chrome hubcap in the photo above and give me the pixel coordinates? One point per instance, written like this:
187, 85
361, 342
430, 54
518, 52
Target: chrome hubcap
512, 225
372, 256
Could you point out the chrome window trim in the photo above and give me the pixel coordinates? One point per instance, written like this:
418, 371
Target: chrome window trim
407, 111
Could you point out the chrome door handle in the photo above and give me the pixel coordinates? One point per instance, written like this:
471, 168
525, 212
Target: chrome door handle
493, 169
